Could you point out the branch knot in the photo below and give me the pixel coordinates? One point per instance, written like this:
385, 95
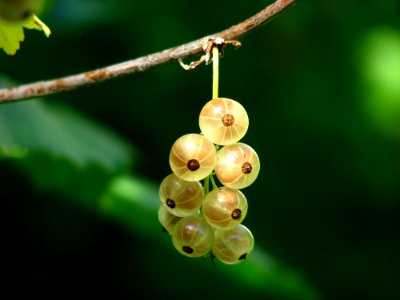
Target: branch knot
208, 44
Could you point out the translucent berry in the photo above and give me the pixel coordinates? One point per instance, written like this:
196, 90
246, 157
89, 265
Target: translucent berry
193, 236
180, 197
167, 220
223, 121
237, 166
224, 208
232, 246
192, 157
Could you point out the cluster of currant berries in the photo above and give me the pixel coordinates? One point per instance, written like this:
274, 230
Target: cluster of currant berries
202, 218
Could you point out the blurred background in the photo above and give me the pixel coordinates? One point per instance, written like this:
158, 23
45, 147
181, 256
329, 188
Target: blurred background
79, 171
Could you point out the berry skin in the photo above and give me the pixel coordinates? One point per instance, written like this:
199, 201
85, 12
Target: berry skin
192, 157
237, 166
232, 246
179, 197
167, 220
224, 208
223, 121
192, 236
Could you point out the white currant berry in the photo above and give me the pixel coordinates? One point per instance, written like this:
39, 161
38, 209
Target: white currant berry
237, 166
167, 220
180, 197
233, 245
223, 121
224, 208
192, 157
192, 236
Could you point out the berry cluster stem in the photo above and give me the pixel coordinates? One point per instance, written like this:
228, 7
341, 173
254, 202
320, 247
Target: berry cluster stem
209, 179
215, 59
214, 185
206, 185
215, 85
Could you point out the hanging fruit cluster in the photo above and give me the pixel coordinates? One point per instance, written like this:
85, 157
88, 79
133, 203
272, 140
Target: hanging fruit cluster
202, 217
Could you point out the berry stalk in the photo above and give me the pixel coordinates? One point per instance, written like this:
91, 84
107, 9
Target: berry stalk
215, 59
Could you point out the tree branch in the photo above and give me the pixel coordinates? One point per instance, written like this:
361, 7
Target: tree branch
141, 64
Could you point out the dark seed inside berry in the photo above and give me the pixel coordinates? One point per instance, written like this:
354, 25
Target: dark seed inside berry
236, 214
228, 120
187, 249
193, 165
170, 203
246, 168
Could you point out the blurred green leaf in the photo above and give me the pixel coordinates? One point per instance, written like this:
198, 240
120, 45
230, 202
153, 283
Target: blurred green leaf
61, 150
12, 33
36, 126
380, 65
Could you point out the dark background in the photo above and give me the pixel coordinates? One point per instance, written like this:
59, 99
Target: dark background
321, 86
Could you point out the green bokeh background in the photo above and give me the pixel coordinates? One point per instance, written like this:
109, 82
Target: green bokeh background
321, 86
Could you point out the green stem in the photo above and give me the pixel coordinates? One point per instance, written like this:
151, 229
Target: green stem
215, 59
215, 186
206, 185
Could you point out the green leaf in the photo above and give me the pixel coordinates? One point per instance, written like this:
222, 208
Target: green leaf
33, 127
12, 33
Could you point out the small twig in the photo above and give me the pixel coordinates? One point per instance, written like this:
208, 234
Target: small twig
141, 64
